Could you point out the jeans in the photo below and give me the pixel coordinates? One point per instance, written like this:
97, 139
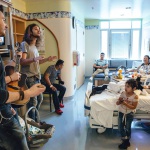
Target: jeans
12, 136
125, 126
57, 98
34, 101
106, 71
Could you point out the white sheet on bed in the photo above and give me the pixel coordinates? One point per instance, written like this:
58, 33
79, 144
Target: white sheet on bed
102, 106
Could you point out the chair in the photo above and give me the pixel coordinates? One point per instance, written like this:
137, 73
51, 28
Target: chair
50, 99
50, 94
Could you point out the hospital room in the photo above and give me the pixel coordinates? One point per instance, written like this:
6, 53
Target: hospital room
74, 74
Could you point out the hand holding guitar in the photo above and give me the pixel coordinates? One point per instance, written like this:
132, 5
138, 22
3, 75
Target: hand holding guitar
15, 76
35, 90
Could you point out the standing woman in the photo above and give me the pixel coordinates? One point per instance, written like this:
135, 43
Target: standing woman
30, 63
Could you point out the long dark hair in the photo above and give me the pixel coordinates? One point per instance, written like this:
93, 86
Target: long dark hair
1, 8
28, 37
132, 83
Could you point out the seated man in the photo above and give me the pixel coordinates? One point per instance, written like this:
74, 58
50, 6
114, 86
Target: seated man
50, 76
101, 65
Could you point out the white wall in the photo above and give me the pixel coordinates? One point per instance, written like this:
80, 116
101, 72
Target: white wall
61, 27
80, 46
92, 49
146, 39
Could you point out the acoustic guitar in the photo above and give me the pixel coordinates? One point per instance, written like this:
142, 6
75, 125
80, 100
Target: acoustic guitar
20, 85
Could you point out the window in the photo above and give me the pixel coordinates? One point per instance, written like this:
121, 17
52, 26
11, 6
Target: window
136, 24
135, 44
121, 39
104, 42
120, 44
104, 25
120, 24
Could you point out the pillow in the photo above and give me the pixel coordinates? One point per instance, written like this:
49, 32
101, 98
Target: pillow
137, 92
113, 87
136, 64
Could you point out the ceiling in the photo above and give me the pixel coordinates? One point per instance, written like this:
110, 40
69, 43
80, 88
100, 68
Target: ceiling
108, 9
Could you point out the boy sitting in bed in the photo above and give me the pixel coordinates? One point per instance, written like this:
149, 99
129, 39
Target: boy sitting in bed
127, 102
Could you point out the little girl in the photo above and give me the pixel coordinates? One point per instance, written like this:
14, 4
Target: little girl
127, 102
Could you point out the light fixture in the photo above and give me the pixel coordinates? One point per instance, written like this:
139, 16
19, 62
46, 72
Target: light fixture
128, 7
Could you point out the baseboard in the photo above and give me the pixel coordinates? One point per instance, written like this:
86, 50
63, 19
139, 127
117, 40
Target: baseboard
68, 98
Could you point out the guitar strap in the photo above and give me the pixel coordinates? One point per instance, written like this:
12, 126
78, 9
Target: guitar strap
13, 87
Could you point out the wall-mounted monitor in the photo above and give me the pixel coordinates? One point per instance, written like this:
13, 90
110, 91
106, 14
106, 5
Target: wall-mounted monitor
2, 40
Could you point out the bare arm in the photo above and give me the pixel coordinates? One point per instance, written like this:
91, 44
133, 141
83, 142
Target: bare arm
24, 61
106, 66
50, 58
46, 77
7, 79
35, 90
133, 106
14, 77
133, 70
119, 101
59, 77
98, 67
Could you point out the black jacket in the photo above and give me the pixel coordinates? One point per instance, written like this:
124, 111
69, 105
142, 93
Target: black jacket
5, 109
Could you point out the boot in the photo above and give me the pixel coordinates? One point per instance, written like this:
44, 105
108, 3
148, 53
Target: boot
125, 144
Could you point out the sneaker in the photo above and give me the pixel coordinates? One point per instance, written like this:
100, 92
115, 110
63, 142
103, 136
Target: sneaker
61, 105
128, 143
59, 111
91, 78
106, 78
125, 144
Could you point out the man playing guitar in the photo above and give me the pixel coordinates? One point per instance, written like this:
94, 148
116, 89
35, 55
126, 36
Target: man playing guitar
11, 134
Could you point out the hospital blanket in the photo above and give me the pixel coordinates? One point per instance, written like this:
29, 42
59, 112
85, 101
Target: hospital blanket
101, 106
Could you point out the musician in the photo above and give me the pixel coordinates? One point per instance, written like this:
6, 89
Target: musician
11, 134
30, 63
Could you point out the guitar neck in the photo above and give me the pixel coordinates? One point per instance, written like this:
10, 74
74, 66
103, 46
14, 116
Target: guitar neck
17, 67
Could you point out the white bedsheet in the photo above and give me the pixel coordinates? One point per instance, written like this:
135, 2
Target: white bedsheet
102, 106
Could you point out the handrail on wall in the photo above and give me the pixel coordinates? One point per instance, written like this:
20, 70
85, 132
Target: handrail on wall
50, 32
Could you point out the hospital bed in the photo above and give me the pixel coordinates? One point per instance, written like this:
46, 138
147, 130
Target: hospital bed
103, 111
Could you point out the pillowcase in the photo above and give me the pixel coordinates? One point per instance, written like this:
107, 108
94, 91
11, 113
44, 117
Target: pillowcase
136, 64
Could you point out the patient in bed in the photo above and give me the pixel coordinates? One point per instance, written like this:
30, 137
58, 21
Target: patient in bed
127, 102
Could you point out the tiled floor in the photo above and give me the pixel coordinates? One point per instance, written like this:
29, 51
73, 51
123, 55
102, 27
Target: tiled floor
73, 131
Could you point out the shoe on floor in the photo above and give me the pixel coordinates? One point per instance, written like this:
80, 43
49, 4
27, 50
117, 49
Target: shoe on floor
91, 78
61, 105
106, 78
125, 144
59, 111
